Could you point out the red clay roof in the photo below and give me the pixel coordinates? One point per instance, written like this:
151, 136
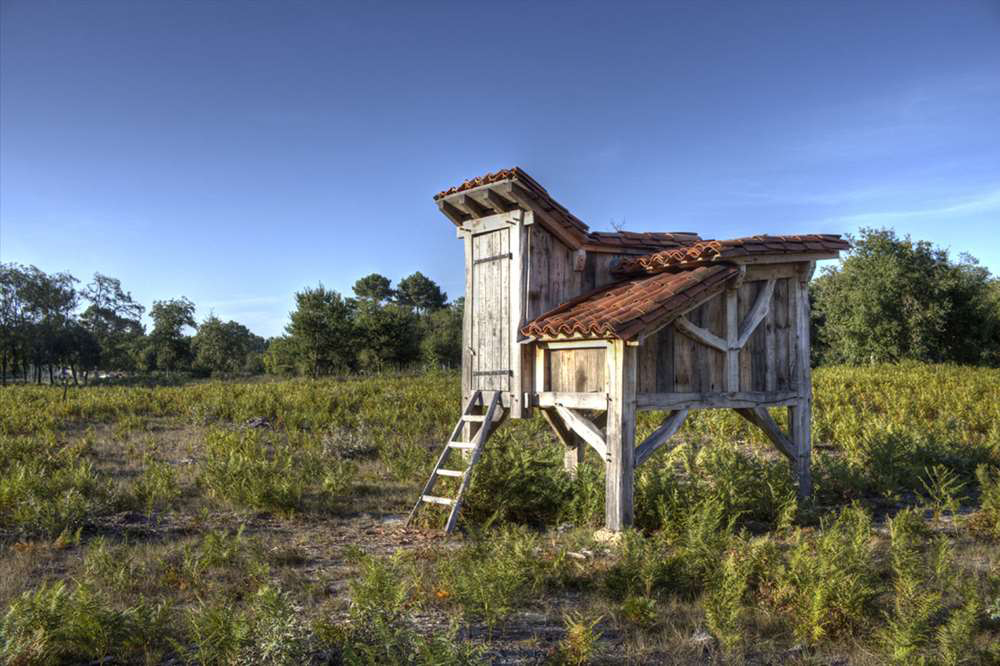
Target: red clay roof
641, 241
721, 250
606, 239
624, 309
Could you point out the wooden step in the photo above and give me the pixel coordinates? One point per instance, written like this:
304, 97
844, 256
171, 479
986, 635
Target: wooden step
450, 472
475, 418
437, 500
461, 445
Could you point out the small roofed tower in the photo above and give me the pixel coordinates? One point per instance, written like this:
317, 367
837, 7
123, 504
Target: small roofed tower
592, 327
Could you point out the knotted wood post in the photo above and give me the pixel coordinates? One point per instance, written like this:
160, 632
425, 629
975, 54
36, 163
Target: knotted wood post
800, 414
620, 474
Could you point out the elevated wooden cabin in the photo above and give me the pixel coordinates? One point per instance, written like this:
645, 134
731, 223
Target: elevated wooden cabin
591, 327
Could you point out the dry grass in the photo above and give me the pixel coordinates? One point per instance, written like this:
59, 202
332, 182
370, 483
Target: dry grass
190, 535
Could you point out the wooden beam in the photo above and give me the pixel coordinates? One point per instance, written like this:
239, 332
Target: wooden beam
454, 214
526, 201
585, 429
619, 478
734, 400
517, 309
732, 336
467, 203
497, 202
492, 222
575, 344
699, 334
595, 401
784, 258
756, 314
562, 433
800, 415
760, 417
660, 436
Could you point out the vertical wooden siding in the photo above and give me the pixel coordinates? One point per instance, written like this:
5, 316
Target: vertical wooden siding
577, 370
670, 361
490, 300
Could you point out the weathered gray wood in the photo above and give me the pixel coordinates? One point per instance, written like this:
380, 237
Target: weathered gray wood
594, 401
620, 471
577, 370
485, 430
701, 335
518, 268
784, 258
800, 415
583, 427
738, 399
559, 428
732, 335
526, 201
454, 214
497, 202
756, 314
760, 417
468, 204
574, 344
660, 436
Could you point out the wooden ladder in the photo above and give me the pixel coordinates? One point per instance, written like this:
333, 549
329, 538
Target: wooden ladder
472, 449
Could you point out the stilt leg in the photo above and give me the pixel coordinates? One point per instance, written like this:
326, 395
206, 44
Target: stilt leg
800, 422
573, 455
620, 470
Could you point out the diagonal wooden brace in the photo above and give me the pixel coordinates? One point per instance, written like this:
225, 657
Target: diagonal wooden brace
660, 436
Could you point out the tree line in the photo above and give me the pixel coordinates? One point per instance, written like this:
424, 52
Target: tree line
890, 299
52, 328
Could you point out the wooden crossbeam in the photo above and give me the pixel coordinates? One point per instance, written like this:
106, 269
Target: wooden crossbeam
471, 206
454, 214
498, 203
756, 314
596, 401
660, 436
700, 334
760, 417
585, 429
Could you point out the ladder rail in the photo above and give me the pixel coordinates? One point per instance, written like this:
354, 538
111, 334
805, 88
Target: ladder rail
484, 432
477, 395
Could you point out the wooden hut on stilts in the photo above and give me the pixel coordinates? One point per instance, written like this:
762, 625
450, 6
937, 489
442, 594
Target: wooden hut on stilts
590, 328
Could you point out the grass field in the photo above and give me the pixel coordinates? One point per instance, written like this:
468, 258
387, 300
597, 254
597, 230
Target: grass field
230, 523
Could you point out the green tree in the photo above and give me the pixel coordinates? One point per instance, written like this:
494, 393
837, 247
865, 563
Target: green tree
224, 347
420, 292
114, 319
388, 335
171, 348
322, 331
374, 287
893, 299
282, 357
441, 343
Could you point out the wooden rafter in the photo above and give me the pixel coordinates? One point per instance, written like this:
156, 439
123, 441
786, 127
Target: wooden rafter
454, 214
757, 313
760, 417
585, 429
498, 203
526, 201
660, 436
700, 334
468, 204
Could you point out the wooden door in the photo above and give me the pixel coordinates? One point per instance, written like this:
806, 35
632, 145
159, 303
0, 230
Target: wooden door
491, 260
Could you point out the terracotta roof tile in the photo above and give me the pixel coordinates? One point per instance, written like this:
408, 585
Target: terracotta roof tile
623, 309
649, 241
716, 250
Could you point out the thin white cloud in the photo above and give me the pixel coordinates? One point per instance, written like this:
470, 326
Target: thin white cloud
982, 203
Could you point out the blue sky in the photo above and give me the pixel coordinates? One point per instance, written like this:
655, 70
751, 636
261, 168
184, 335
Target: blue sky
235, 152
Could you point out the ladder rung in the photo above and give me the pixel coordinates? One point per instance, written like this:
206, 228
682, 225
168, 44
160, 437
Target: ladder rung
461, 445
437, 500
450, 472
478, 418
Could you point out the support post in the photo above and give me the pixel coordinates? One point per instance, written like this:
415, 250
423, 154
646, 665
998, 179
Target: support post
800, 414
573, 454
620, 470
